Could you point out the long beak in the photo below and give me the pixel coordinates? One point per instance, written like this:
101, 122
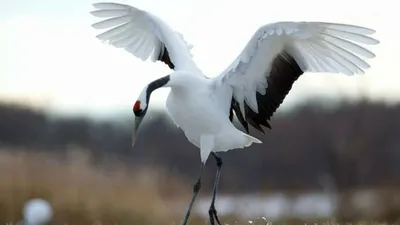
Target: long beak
138, 121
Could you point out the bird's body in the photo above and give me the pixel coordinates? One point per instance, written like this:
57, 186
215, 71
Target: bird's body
203, 115
199, 107
251, 88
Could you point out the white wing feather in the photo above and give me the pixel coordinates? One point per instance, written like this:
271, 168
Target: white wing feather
316, 47
142, 34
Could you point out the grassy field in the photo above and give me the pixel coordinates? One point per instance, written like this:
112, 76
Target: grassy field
82, 194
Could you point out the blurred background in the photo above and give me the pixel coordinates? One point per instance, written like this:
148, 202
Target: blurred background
65, 121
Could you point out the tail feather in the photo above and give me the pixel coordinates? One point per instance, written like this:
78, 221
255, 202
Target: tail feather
236, 140
251, 140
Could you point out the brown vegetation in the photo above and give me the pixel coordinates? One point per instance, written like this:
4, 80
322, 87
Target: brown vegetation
357, 145
82, 194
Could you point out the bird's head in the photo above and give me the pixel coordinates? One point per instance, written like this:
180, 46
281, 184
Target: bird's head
141, 105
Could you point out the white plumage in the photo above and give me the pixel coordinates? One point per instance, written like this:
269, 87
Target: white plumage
142, 34
251, 88
315, 46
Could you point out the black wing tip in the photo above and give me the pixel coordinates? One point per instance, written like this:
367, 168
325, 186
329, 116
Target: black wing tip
284, 72
164, 57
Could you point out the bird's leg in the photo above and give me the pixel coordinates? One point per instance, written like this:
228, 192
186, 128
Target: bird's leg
196, 189
211, 211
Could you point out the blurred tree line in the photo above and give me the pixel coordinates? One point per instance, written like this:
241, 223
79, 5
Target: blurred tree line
358, 145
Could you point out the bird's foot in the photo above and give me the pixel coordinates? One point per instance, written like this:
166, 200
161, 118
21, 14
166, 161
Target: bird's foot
212, 213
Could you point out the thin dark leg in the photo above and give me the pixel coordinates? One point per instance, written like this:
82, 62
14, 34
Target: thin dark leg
196, 189
212, 212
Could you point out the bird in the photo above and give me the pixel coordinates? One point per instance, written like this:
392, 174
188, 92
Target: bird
250, 89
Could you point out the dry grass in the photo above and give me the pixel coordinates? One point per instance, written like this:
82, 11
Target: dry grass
81, 194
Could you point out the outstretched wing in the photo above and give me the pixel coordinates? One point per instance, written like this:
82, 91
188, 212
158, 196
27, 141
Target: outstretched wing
278, 53
144, 35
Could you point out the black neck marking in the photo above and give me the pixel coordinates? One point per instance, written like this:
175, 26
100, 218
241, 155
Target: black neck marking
150, 88
155, 85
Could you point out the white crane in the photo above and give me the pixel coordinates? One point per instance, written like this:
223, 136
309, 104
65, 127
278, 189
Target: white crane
251, 88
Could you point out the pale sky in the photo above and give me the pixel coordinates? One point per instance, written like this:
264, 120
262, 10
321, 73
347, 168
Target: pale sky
50, 57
